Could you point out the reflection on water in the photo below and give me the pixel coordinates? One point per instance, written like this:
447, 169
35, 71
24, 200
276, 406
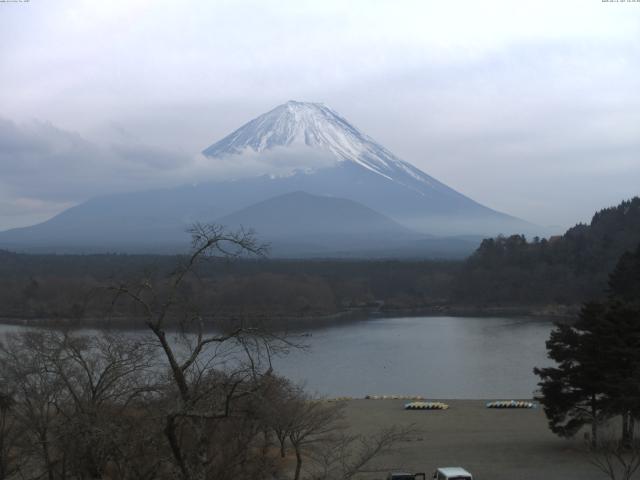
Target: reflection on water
438, 357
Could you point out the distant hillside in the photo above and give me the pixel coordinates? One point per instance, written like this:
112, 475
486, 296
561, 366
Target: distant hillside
295, 224
563, 269
300, 214
300, 223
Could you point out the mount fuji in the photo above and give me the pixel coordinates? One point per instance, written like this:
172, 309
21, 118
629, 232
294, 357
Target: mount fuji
334, 158
310, 167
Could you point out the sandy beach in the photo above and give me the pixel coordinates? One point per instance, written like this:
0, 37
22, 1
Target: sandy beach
497, 444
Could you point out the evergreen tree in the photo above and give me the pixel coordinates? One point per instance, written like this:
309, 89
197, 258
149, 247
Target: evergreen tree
598, 360
619, 334
574, 391
624, 281
622, 335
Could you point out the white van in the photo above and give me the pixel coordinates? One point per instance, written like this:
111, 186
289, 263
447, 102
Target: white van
452, 473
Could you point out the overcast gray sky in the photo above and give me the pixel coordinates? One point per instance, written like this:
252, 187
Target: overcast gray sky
532, 108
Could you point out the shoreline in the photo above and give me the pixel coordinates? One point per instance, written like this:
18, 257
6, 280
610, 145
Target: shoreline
558, 313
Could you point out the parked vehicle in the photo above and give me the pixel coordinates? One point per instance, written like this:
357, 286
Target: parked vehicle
451, 473
406, 476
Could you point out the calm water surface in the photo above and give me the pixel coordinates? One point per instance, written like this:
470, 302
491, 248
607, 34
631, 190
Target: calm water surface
438, 357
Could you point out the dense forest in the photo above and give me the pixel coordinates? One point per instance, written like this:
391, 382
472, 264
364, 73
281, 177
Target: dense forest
48, 286
541, 275
565, 269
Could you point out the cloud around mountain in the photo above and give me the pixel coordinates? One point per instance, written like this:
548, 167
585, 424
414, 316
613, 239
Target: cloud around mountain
295, 147
45, 169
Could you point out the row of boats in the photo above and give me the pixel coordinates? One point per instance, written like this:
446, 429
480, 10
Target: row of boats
444, 406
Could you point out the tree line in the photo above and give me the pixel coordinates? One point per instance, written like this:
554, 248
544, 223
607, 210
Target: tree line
74, 287
504, 272
567, 269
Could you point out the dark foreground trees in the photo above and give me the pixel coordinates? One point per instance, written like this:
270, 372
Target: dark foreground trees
196, 402
597, 376
71, 399
96, 407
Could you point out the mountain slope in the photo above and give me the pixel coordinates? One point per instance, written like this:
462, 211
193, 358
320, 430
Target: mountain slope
353, 167
310, 224
362, 170
298, 224
301, 214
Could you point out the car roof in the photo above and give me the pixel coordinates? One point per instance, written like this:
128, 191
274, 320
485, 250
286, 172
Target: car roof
454, 471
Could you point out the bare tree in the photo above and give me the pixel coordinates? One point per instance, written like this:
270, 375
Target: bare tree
618, 459
74, 396
103, 376
312, 422
10, 434
349, 455
37, 392
280, 398
208, 373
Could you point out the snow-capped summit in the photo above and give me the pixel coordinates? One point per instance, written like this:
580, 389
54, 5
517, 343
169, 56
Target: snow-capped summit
317, 126
359, 169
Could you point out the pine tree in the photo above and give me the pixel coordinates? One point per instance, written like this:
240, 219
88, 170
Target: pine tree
622, 336
598, 360
619, 334
624, 281
574, 391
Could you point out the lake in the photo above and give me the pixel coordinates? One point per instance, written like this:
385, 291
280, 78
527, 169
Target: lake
437, 357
